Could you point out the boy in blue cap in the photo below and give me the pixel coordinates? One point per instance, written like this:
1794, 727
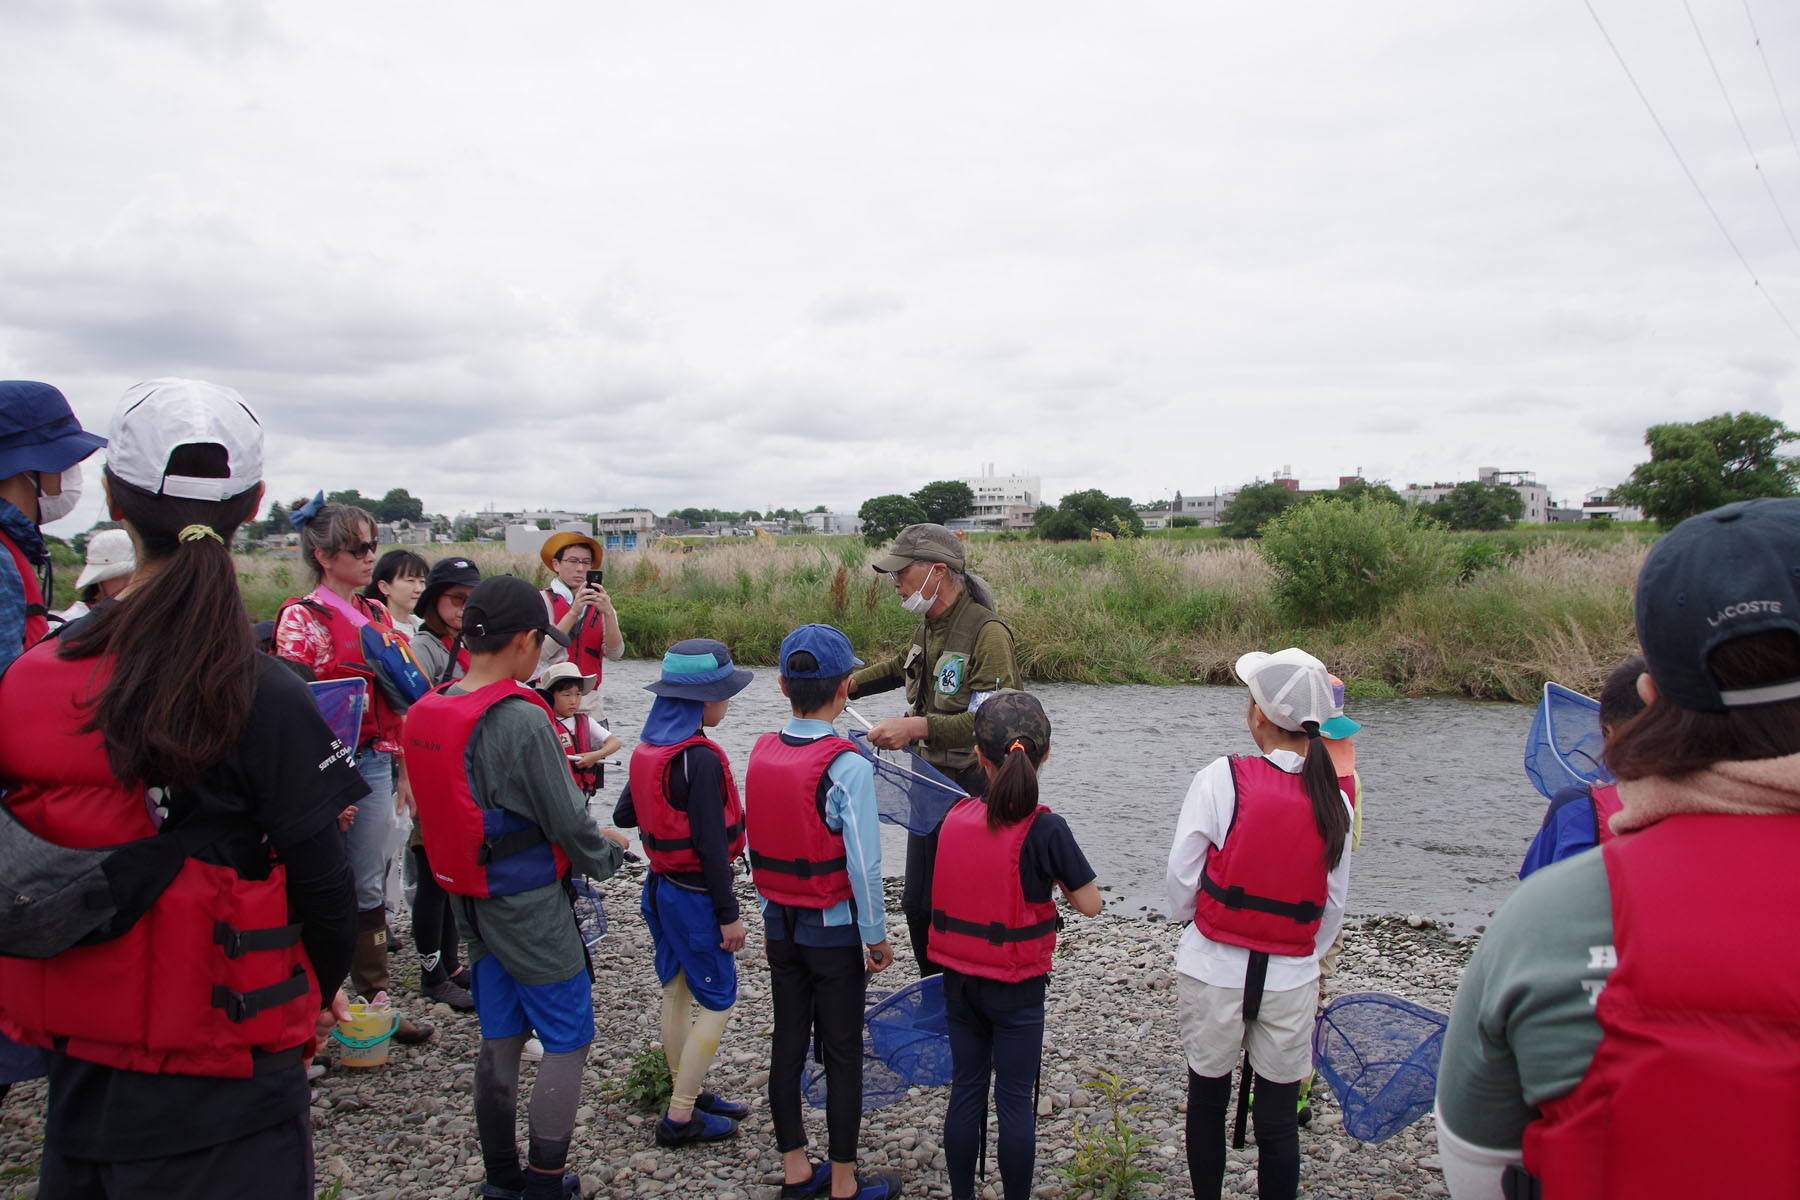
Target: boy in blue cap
682, 794
815, 852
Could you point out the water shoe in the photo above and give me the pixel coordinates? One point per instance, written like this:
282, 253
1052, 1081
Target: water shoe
571, 1186
718, 1106
701, 1127
818, 1185
871, 1187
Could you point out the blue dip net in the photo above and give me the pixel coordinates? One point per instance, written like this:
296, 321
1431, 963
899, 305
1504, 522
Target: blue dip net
1380, 1054
909, 792
906, 1045
1564, 746
341, 703
590, 914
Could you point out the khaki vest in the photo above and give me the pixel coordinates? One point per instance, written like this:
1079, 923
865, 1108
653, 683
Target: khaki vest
941, 685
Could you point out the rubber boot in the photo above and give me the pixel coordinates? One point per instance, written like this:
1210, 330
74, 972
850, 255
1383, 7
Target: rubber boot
369, 973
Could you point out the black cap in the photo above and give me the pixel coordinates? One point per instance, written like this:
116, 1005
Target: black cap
1714, 578
503, 604
446, 573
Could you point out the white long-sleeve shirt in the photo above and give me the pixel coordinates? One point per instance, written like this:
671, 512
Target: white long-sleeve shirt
1205, 819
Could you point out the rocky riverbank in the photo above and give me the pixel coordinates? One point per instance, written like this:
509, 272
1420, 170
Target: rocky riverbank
407, 1129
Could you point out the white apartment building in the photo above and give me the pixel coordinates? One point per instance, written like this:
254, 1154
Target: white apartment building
1001, 501
828, 522
1535, 495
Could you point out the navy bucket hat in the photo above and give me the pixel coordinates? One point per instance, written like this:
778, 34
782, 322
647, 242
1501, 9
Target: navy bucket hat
699, 669
38, 430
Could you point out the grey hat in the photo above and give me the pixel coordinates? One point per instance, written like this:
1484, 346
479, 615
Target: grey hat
922, 543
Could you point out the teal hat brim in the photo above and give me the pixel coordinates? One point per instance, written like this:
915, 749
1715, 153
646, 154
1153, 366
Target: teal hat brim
1339, 728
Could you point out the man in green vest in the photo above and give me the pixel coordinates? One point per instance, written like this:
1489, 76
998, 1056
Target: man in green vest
960, 653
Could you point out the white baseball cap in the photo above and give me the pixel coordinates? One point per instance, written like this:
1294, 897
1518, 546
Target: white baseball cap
156, 417
1290, 686
109, 556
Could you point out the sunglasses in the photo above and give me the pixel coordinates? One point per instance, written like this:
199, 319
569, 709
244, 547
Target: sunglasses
358, 549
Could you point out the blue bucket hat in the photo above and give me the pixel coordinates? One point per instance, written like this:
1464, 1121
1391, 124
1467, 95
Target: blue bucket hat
699, 669
38, 430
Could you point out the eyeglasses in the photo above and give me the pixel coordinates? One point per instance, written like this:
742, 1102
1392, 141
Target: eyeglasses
569, 560
359, 549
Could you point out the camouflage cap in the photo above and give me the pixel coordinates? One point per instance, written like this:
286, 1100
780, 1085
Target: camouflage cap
1007, 716
922, 543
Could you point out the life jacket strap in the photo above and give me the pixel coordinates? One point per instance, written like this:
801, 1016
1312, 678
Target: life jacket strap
652, 842
994, 933
802, 867
1303, 911
509, 844
1519, 1184
239, 942
242, 1006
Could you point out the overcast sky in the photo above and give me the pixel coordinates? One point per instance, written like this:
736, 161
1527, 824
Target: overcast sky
772, 254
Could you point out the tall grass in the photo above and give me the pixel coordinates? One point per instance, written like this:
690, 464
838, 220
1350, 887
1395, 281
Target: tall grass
1149, 611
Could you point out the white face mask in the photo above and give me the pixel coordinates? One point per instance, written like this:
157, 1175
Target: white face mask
55, 508
918, 603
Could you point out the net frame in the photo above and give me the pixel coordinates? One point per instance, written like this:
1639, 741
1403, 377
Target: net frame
1564, 746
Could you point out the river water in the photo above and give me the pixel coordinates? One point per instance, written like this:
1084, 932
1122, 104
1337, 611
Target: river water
1448, 812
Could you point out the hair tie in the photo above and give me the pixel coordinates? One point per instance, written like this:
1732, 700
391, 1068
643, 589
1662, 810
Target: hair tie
1311, 730
1017, 744
194, 533
306, 512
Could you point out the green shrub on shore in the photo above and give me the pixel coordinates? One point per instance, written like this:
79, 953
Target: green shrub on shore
1146, 611
1336, 559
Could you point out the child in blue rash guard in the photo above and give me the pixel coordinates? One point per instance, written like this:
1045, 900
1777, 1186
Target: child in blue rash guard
682, 794
815, 851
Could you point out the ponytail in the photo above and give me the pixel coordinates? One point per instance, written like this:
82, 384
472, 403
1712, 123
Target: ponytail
183, 658
1320, 779
1013, 792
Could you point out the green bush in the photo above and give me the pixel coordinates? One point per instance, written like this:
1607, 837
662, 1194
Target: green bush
1336, 559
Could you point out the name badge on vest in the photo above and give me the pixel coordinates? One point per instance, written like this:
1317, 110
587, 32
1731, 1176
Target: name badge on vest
950, 669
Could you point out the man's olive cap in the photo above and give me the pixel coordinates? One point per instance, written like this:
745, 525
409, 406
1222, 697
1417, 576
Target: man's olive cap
922, 543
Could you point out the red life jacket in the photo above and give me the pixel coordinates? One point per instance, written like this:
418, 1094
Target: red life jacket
587, 639
379, 719
210, 976
37, 618
1266, 888
1606, 803
1699, 1046
663, 828
473, 850
583, 740
981, 923
794, 857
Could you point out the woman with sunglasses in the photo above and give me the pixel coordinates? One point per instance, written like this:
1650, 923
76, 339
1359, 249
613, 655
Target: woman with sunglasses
321, 633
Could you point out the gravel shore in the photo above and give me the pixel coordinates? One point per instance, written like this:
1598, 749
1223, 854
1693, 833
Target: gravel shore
407, 1129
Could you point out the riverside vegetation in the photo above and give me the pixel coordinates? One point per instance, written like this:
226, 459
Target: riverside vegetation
1396, 606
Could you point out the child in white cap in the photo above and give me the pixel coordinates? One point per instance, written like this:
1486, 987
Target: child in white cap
1261, 865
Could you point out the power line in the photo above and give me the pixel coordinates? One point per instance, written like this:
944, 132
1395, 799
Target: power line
1698, 190
1760, 53
1735, 120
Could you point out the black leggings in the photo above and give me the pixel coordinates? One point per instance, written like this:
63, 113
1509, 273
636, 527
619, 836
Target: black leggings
1277, 1135
433, 924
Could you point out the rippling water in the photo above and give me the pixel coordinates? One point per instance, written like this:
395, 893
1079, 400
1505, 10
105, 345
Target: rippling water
1449, 810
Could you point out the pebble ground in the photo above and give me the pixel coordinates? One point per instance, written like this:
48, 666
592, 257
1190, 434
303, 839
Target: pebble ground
407, 1129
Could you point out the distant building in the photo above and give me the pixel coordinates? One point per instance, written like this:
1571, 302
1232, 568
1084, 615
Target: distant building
828, 522
1204, 508
1001, 501
529, 539
625, 529
1600, 503
1534, 494
403, 533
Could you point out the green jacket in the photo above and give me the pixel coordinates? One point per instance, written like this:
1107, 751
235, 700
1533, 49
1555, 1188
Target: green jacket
961, 651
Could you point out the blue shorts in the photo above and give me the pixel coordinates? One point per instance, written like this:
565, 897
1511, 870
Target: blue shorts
686, 933
562, 1014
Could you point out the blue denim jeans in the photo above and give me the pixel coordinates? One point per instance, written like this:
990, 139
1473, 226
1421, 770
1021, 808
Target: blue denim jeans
366, 841
996, 1029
